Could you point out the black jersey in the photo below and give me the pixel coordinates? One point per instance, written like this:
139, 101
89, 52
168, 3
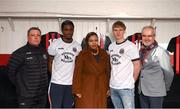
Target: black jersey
174, 48
174, 93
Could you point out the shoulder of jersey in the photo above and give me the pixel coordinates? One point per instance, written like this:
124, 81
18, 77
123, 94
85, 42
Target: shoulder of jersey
131, 43
76, 43
57, 40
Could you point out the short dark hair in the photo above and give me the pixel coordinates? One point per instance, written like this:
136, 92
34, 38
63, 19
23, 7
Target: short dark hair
66, 22
119, 24
33, 28
88, 36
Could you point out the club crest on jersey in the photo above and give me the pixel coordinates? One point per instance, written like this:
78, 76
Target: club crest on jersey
121, 51
74, 49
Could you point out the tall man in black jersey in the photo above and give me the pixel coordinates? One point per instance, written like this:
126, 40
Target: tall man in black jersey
27, 70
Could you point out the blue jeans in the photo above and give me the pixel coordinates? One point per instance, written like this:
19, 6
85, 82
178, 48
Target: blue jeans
122, 98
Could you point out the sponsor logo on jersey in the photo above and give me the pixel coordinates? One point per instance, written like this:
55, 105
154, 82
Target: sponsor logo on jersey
115, 59
67, 57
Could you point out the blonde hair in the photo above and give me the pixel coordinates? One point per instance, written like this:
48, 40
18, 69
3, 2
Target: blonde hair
119, 24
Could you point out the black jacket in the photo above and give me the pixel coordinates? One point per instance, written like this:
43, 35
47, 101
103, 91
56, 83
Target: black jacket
27, 69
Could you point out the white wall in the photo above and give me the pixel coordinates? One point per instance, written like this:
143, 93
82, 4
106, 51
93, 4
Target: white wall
11, 40
86, 15
166, 29
98, 8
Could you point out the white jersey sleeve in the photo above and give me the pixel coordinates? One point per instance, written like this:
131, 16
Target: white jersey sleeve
133, 52
52, 49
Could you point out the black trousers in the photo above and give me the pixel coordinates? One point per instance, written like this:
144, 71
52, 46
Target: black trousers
61, 96
109, 103
33, 102
151, 102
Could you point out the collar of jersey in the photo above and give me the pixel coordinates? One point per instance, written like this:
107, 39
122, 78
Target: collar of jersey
121, 42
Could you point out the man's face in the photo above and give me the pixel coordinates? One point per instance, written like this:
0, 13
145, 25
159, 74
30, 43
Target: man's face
68, 31
148, 36
118, 33
34, 37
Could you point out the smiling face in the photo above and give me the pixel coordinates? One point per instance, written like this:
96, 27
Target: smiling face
148, 36
34, 37
93, 41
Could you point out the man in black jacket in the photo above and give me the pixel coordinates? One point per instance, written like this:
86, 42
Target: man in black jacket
27, 70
